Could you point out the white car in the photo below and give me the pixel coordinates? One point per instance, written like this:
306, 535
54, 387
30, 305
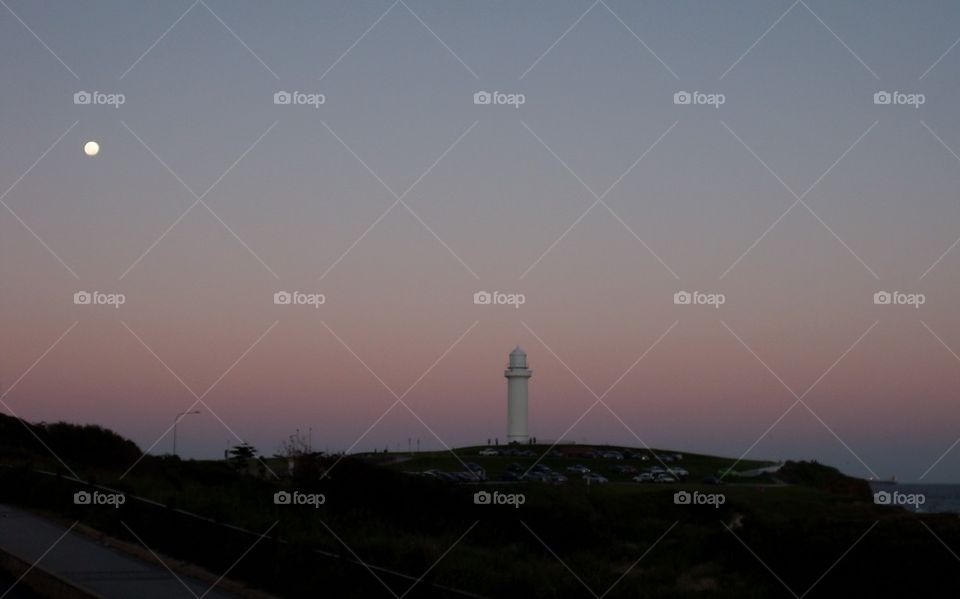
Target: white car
594, 478
664, 478
489, 451
578, 469
643, 477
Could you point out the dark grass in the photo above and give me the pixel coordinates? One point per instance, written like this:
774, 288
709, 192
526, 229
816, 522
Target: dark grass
393, 518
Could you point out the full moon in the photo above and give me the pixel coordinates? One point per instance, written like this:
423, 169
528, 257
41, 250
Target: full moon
91, 148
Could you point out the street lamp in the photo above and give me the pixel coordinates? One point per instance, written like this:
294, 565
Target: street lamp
176, 420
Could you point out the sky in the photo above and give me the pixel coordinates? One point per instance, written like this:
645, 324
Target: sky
787, 189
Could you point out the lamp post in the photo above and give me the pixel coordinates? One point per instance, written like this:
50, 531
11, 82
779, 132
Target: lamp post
176, 421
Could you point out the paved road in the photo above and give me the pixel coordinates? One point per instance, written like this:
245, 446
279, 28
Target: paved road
89, 564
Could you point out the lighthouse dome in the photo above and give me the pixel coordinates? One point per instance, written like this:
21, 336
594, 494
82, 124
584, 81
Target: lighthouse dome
518, 358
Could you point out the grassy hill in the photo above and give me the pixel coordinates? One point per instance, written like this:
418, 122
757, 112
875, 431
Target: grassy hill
631, 538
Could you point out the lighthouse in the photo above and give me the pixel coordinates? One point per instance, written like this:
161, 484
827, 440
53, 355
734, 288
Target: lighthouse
517, 375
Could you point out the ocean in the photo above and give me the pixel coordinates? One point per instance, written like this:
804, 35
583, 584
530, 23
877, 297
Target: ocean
919, 497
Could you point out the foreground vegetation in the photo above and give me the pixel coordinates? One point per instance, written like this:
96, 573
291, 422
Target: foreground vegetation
573, 540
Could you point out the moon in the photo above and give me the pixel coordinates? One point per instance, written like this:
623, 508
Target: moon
91, 148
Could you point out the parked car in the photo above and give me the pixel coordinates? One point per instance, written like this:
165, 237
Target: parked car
489, 451
712, 480
624, 469
594, 478
514, 467
578, 469
509, 476
663, 477
613, 455
679, 472
477, 471
543, 468
554, 478
643, 477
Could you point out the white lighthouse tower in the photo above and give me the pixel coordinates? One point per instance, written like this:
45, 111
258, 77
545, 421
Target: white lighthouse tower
517, 375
